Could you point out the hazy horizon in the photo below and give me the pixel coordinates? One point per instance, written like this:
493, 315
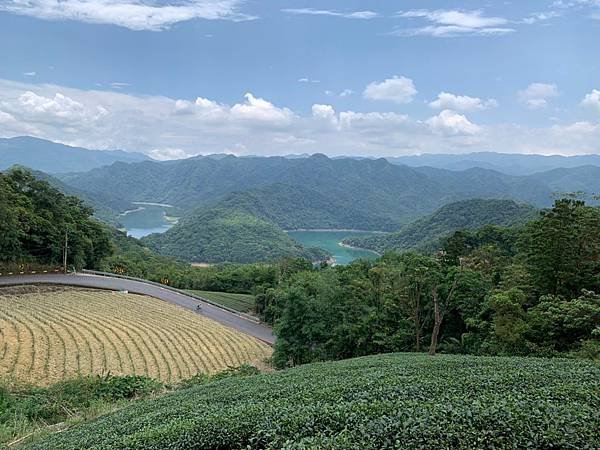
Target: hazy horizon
274, 78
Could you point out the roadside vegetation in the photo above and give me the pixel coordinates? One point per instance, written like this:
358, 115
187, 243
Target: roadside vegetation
386, 401
240, 302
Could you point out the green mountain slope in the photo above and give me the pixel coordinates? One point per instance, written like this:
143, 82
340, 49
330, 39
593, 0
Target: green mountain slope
425, 233
402, 401
106, 207
52, 157
319, 192
222, 234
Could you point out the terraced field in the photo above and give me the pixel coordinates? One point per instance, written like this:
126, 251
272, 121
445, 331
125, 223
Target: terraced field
49, 334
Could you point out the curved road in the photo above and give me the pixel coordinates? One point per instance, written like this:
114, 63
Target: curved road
215, 313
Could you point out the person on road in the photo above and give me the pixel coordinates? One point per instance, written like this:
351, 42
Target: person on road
198, 308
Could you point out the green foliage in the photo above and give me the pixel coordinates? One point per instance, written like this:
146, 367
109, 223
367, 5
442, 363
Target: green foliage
34, 218
386, 401
318, 192
222, 234
24, 408
490, 296
426, 233
561, 249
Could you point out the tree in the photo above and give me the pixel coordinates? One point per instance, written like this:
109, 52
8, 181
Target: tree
440, 307
561, 249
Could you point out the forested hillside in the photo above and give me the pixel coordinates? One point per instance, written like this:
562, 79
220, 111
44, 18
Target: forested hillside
106, 207
531, 290
222, 234
34, 218
425, 234
321, 192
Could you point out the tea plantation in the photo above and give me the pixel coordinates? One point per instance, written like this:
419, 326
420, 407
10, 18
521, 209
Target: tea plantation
386, 401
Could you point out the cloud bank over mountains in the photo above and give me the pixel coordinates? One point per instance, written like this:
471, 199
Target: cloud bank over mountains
169, 128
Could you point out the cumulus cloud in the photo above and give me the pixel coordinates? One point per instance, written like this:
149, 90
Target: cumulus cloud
452, 123
168, 128
592, 100
364, 15
397, 89
446, 100
325, 112
132, 14
537, 95
259, 110
451, 23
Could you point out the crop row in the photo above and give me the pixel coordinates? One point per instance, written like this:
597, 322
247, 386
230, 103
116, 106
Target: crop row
45, 337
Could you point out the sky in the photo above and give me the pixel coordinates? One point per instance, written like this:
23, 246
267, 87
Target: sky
274, 77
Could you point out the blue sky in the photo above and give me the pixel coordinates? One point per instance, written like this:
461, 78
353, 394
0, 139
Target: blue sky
276, 77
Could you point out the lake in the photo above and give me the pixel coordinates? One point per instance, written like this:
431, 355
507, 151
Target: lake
329, 240
148, 218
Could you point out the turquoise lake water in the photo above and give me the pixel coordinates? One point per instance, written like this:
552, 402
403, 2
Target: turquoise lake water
152, 219
147, 220
329, 240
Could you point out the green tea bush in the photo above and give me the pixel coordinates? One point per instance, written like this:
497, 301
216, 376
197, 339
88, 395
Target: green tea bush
388, 401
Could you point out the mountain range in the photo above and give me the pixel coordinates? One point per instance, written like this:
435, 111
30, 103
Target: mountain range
236, 208
52, 157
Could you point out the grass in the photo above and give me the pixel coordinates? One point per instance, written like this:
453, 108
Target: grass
403, 401
240, 302
28, 412
52, 334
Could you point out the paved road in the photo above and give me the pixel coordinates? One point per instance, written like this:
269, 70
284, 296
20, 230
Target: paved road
215, 313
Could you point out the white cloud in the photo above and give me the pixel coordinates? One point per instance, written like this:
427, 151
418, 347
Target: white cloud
536, 95
59, 108
451, 123
119, 85
30, 74
446, 100
397, 89
164, 154
260, 111
364, 15
451, 23
541, 16
132, 14
307, 80
172, 128
6, 117
592, 100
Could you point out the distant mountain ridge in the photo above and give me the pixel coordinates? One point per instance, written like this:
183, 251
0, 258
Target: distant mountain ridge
508, 163
320, 192
52, 157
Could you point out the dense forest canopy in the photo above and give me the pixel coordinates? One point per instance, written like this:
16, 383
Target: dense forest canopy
499, 291
34, 219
